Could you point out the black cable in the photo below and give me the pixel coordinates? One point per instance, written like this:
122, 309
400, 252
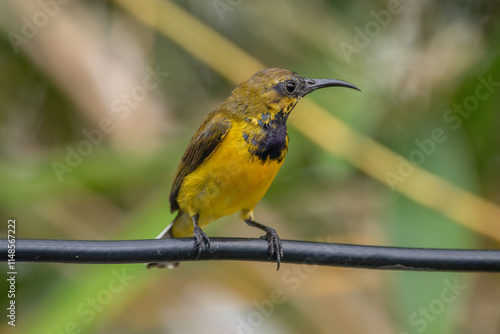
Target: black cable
342, 255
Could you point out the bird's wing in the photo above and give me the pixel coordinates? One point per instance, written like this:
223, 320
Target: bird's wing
203, 143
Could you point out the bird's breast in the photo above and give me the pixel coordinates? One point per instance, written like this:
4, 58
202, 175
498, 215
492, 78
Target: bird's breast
232, 178
267, 142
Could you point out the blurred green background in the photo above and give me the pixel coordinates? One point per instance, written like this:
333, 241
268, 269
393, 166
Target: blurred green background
97, 107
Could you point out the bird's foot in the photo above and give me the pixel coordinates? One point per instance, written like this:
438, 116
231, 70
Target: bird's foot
274, 244
200, 239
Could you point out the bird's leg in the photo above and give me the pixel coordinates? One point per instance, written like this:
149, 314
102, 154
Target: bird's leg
200, 237
273, 240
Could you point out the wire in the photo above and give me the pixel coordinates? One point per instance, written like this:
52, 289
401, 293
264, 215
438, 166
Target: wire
309, 253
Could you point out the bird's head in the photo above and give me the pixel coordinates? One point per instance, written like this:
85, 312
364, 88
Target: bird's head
272, 93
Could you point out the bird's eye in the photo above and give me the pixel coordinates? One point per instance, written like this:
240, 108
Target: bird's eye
290, 87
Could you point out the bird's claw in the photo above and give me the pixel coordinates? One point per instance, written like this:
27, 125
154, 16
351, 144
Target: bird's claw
200, 239
275, 246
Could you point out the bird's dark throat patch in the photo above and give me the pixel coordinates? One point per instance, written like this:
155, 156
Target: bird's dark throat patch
271, 140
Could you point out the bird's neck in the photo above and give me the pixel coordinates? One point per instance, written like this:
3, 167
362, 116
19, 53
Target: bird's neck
269, 120
268, 139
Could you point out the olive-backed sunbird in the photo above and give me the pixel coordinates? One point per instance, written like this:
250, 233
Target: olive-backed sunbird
235, 155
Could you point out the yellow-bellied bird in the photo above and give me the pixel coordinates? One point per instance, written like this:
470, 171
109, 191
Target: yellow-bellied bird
235, 155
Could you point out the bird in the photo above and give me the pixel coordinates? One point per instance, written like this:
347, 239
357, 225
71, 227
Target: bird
234, 156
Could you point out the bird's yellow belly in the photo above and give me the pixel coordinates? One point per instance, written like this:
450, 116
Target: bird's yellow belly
228, 181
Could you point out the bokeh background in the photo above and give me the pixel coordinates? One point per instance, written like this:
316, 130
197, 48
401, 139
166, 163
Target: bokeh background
98, 100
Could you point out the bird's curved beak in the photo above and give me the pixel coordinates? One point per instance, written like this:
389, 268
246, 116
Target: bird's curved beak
313, 84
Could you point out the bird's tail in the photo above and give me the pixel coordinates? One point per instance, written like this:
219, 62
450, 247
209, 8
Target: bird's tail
167, 234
